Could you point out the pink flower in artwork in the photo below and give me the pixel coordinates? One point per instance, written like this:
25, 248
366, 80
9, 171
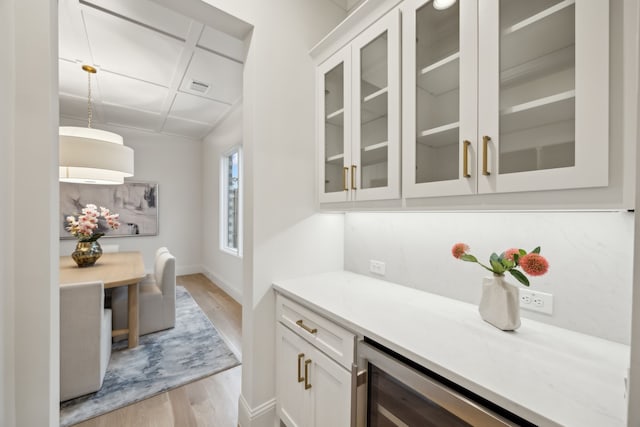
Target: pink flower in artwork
534, 264
459, 249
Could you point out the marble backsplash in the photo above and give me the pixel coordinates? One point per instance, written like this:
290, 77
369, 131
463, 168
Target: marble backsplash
590, 256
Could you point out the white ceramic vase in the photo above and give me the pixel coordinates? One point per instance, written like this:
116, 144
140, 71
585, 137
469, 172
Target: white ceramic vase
500, 303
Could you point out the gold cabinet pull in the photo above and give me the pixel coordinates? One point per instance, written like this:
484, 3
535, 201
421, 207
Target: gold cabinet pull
305, 327
300, 377
353, 177
465, 158
307, 384
345, 171
485, 143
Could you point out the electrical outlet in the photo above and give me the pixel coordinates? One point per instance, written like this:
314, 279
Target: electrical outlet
536, 301
377, 267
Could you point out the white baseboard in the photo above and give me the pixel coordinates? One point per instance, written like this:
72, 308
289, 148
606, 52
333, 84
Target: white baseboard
262, 416
181, 270
231, 290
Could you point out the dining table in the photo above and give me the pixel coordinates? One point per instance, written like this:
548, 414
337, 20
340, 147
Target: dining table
114, 269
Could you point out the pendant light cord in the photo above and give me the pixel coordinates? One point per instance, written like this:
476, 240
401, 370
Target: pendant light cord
89, 111
90, 70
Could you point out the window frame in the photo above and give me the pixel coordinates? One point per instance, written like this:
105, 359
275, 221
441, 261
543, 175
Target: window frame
224, 201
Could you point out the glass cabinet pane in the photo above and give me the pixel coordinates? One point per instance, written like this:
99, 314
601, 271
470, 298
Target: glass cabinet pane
334, 129
537, 85
437, 93
374, 109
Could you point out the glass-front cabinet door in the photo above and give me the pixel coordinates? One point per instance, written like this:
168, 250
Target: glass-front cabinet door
543, 94
359, 116
440, 98
504, 95
334, 127
375, 169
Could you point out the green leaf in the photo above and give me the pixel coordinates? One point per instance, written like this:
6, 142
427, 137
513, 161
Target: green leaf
494, 257
497, 266
522, 252
536, 250
469, 258
507, 263
516, 258
521, 277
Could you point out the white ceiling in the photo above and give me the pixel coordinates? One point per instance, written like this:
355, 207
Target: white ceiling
348, 5
147, 56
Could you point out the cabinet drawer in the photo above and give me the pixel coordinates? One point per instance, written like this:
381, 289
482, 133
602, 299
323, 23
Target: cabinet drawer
335, 341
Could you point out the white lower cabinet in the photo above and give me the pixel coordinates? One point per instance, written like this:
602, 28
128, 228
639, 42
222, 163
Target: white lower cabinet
312, 389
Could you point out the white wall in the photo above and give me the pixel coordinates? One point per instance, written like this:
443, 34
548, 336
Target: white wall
222, 268
7, 82
29, 297
590, 256
174, 163
282, 234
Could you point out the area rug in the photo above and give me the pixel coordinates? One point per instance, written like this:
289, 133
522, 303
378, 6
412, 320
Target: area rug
162, 361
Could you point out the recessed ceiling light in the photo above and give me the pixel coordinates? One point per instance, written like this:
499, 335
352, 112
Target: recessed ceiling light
443, 4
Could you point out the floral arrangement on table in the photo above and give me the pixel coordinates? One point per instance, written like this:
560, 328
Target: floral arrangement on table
531, 263
85, 225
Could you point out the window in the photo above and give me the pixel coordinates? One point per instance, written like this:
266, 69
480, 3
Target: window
231, 202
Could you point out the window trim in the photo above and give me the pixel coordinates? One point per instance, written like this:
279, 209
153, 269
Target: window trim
224, 162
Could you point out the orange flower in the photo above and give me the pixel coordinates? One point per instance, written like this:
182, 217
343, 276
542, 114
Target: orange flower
459, 249
509, 253
534, 264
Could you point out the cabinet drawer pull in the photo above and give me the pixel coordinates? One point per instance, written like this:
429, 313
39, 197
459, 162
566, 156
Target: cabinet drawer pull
345, 172
465, 158
353, 177
307, 383
306, 328
485, 143
300, 377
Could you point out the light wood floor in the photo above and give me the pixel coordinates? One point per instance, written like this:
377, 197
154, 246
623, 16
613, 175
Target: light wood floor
211, 401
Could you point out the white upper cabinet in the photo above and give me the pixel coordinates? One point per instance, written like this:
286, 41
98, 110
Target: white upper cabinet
440, 89
489, 96
334, 128
359, 116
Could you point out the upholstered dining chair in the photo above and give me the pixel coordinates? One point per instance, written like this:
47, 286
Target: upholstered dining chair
156, 298
85, 339
161, 250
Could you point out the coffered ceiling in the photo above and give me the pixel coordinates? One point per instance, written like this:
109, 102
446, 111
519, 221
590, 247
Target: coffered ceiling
158, 70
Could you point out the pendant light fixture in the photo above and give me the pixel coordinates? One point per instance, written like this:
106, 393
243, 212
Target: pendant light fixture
93, 156
443, 4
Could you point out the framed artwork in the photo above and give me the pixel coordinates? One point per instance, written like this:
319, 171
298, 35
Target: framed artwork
135, 201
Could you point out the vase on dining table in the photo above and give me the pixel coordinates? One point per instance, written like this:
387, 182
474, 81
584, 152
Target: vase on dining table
500, 303
86, 253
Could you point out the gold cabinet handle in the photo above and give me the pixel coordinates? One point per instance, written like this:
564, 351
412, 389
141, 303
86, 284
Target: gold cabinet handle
300, 377
353, 177
465, 158
307, 384
485, 143
305, 327
345, 171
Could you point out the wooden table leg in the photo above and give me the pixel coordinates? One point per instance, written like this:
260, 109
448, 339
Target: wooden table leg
133, 315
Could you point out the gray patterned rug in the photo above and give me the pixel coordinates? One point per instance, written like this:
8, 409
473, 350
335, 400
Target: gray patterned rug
162, 361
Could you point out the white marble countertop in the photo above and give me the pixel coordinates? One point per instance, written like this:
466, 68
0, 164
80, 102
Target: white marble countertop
548, 375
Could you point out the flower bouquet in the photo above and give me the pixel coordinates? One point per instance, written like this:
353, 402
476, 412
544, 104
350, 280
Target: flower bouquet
84, 228
531, 263
85, 225
500, 302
